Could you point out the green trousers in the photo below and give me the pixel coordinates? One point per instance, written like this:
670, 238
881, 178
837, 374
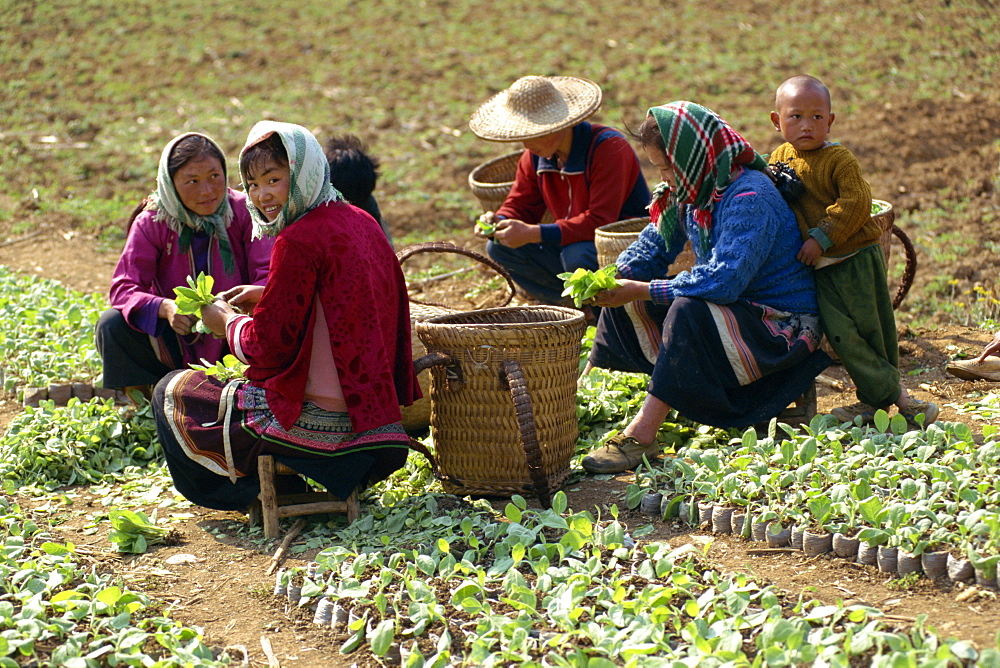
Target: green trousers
856, 312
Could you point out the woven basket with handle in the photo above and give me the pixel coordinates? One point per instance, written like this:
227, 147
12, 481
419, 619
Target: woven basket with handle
417, 416
503, 398
613, 238
886, 219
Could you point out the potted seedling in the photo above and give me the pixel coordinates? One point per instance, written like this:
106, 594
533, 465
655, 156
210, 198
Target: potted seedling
816, 540
934, 558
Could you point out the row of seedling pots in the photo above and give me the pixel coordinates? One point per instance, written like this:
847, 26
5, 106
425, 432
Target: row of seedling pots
893, 560
344, 621
61, 393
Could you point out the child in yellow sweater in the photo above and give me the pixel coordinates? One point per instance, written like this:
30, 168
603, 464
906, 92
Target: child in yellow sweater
842, 243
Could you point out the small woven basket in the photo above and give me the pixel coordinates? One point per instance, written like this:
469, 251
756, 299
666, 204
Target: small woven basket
885, 219
503, 409
613, 238
491, 182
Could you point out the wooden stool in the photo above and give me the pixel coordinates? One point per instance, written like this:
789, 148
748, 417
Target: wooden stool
270, 507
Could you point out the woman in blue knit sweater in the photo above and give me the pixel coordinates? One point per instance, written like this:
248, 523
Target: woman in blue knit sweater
735, 339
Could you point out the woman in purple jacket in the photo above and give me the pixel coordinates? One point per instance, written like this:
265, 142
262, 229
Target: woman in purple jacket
192, 223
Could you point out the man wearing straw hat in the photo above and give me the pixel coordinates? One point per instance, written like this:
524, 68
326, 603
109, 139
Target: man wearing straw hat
587, 175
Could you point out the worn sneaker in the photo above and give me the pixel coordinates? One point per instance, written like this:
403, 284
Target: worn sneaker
620, 453
848, 413
917, 407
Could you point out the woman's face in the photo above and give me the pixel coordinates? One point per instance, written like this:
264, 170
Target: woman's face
268, 190
201, 184
658, 157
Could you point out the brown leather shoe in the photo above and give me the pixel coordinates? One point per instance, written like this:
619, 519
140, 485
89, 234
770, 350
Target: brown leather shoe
618, 454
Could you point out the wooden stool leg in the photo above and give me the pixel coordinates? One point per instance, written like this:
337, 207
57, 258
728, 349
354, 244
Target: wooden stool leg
268, 496
353, 507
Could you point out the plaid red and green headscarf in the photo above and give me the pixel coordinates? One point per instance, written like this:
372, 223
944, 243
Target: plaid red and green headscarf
703, 151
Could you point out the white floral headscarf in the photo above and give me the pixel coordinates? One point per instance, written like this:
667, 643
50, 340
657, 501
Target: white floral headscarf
309, 171
170, 210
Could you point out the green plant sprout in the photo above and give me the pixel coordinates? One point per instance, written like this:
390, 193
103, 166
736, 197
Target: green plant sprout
487, 227
191, 299
583, 284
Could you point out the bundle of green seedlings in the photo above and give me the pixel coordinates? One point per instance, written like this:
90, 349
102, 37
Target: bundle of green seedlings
191, 299
133, 531
583, 284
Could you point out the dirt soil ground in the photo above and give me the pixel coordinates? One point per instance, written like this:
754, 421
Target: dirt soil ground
223, 588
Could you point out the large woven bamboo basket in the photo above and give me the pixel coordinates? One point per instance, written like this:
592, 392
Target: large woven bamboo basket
613, 238
417, 416
503, 409
491, 182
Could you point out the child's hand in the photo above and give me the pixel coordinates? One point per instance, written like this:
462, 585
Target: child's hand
810, 252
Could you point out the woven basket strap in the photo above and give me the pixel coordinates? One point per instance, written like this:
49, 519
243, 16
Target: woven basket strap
526, 425
452, 373
422, 449
445, 247
909, 271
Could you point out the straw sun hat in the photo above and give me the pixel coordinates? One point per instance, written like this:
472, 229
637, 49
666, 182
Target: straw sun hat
536, 106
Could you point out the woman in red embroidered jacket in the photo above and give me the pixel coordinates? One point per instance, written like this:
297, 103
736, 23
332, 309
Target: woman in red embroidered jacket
328, 344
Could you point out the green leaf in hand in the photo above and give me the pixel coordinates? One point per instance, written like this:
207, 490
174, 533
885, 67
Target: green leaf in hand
189, 300
583, 284
486, 227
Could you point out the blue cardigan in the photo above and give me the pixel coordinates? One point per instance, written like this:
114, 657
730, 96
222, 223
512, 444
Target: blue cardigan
751, 254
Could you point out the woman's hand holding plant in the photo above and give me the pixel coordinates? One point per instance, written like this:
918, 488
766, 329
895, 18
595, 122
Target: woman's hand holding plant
627, 291
179, 322
243, 297
216, 315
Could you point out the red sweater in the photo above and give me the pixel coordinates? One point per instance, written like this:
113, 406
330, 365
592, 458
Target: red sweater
338, 252
600, 183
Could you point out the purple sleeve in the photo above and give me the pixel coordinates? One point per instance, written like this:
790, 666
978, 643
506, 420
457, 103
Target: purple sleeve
135, 284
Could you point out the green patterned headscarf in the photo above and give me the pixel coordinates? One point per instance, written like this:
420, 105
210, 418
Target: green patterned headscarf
309, 172
703, 151
171, 211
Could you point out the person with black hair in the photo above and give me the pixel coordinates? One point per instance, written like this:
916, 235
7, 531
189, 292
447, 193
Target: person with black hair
354, 172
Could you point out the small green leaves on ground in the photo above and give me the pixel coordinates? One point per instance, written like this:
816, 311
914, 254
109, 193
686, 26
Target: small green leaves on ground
133, 531
48, 332
58, 610
583, 284
78, 443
